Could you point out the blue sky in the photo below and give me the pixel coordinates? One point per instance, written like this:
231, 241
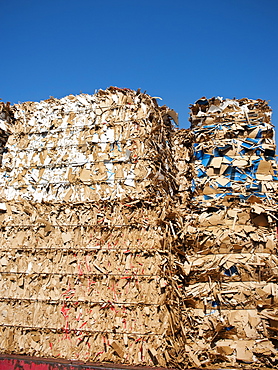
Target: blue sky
179, 50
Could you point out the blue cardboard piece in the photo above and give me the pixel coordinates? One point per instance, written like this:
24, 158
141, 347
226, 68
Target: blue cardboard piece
206, 159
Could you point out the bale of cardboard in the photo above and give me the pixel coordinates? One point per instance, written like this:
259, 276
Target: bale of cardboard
86, 186
227, 252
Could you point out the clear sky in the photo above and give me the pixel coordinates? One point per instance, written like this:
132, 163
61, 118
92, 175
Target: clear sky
179, 50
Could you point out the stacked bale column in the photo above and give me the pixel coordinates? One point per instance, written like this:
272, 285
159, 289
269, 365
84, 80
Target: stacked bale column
227, 248
85, 243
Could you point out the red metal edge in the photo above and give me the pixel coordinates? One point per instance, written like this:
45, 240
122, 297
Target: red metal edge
20, 362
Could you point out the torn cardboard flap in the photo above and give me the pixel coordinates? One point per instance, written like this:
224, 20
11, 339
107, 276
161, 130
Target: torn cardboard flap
264, 168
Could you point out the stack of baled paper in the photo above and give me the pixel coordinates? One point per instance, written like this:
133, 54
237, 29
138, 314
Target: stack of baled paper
227, 252
86, 186
126, 240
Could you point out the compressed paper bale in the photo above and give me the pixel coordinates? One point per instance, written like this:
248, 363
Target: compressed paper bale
77, 247
223, 263
92, 149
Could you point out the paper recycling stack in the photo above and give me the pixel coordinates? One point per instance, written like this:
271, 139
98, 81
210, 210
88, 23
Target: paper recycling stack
84, 249
125, 240
227, 256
